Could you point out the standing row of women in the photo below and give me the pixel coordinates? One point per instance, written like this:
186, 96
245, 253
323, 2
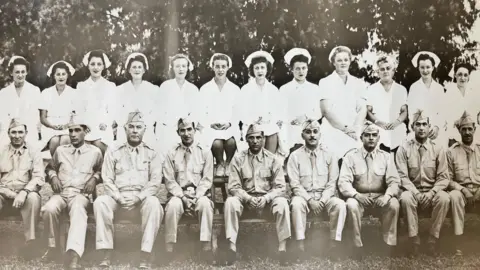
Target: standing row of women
219, 106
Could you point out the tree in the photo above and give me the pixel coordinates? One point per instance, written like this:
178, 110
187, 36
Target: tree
46, 31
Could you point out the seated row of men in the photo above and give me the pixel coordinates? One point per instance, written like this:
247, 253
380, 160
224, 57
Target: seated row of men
419, 177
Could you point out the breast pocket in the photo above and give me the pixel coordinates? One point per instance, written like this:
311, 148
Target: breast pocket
305, 173
26, 164
429, 167
144, 166
359, 169
197, 169
380, 169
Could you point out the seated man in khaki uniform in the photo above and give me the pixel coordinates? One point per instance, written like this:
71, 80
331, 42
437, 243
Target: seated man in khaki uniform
313, 174
369, 179
422, 167
464, 169
132, 174
21, 177
188, 172
257, 182
74, 172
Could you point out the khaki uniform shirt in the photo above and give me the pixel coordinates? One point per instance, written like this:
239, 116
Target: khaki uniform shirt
260, 174
197, 171
75, 166
126, 168
464, 165
308, 179
21, 168
357, 177
430, 173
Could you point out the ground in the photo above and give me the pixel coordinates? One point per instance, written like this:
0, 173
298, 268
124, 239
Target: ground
257, 249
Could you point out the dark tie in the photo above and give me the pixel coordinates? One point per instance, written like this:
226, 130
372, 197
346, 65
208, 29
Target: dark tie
313, 162
369, 160
16, 159
421, 152
187, 156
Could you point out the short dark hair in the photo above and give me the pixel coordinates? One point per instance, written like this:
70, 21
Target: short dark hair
466, 66
182, 121
220, 57
423, 57
258, 60
137, 58
19, 61
298, 58
57, 66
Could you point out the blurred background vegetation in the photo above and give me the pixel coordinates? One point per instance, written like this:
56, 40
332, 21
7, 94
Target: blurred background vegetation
45, 31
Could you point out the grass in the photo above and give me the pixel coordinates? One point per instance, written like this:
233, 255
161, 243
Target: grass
256, 245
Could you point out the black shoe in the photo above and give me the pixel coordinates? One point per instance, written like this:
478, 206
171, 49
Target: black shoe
230, 257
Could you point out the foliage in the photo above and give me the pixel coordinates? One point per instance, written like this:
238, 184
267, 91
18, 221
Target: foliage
46, 31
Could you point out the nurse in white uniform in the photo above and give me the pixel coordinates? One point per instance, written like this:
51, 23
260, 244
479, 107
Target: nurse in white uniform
260, 102
97, 99
218, 97
461, 96
387, 105
428, 95
57, 105
21, 100
177, 98
300, 96
137, 95
343, 104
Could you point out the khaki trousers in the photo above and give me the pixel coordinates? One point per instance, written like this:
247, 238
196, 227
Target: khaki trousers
440, 205
76, 204
337, 212
30, 213
105, 208
174, 211
279, 207
389, 218
458, 203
